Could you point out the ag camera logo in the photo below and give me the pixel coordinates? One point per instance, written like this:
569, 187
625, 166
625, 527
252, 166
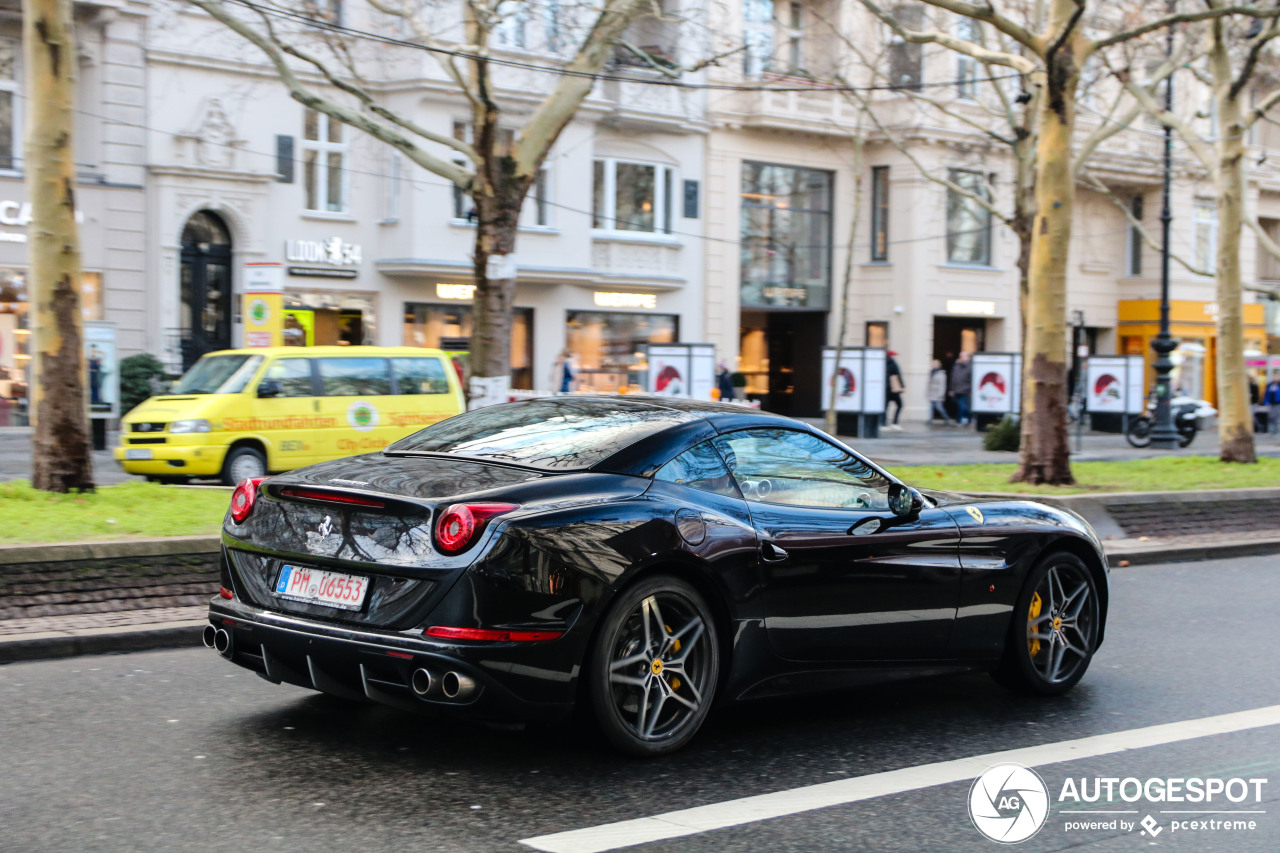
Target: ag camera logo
1009, 803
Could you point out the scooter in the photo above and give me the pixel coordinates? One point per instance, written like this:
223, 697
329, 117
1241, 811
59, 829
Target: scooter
1187, 413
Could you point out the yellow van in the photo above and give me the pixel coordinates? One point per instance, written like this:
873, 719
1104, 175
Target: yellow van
249, 412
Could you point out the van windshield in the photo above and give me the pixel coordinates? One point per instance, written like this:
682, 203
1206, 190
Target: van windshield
218, 374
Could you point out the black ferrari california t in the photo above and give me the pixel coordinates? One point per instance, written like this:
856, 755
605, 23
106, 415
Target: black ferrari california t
647, 557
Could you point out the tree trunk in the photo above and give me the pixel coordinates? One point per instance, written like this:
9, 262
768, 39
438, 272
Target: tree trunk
1235, 416
1044, 457
847, 283
61, 460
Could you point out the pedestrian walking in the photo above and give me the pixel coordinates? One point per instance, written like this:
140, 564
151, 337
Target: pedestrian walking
895, 386
962, 386
563, 373
724, 381
1271, 399
938, 393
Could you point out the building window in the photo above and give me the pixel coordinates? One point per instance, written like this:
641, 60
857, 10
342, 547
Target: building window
795, 37
968, 220
606, 347
329, 11
324, 158
906, 60
786, 236
757, 37
512, 25
391, 189
967, 29
1133, 247
1206, 234
879, 213
540, 200
10, 137
449, 327
463, 205
630, 196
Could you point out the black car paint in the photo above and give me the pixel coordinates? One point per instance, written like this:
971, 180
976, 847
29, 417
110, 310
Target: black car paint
580, 536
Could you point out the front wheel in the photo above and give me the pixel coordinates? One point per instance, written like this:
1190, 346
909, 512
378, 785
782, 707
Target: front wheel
1055, 628
243, 463
1139, 432
654, 667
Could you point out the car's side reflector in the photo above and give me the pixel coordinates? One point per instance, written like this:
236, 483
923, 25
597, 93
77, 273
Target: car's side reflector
446, 632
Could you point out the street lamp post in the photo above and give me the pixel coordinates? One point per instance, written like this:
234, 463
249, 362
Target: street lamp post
1163, 433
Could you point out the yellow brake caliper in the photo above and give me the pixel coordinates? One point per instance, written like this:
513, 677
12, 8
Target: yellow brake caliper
675, 647
1032, 615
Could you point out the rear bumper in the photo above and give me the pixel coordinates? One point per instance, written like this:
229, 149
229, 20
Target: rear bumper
514, 682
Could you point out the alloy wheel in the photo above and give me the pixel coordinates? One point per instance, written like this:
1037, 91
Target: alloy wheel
1062, 623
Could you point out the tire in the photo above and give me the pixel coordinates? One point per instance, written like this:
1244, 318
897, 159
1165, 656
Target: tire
1139, 432
1186, 436
1060, 595
243, 463
654, 668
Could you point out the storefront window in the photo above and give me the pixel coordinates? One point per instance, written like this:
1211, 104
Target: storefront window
448, 327
786, 236
10, 139
15, 346
607, 350
320, 318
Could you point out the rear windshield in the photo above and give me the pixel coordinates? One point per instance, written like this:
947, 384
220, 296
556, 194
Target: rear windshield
550, 434
218, 374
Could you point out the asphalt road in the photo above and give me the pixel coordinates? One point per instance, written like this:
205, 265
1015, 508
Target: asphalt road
178, 750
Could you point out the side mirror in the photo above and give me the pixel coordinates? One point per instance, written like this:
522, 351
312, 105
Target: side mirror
269, 388
904, 501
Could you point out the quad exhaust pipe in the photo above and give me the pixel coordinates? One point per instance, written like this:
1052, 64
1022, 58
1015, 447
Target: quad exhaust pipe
222, 643
457, 686
452, 685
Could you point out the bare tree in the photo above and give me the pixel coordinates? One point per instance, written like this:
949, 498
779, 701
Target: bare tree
61, 459
500, 157
1234, 53
1052, 52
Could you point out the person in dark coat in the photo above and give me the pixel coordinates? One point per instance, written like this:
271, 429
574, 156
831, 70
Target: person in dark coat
724, 381
962, 386
894, 387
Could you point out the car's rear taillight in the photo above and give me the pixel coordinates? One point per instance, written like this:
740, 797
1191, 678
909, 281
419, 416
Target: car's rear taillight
243, 497
332, 497
459, 525
489, 635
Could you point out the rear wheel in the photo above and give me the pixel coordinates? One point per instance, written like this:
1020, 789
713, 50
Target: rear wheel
243, 463
1139, 432
654, 667
1055, 628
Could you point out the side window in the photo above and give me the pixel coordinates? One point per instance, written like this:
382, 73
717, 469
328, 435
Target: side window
699, 468
420, 376
785, 466
294, 376
354, 377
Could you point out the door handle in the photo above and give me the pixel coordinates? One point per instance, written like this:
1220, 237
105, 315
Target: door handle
771, 553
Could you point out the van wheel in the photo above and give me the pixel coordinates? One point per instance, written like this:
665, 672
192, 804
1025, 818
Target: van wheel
243, 463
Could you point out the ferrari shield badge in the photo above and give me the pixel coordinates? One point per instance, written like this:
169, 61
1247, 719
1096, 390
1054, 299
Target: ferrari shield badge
975, 512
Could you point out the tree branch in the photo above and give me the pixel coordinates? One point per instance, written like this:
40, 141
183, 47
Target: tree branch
982, 54
1092, 182
1182, 18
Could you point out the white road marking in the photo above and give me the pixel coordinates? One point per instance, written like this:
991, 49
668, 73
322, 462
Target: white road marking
611, 836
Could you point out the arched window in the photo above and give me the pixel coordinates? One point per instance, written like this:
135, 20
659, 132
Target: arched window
206, 286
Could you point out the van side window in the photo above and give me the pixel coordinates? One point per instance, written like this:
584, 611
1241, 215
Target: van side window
294, 376
420, 376
354, 377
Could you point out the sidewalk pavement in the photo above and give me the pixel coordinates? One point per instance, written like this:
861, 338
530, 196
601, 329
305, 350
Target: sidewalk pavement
180, 627
919, 443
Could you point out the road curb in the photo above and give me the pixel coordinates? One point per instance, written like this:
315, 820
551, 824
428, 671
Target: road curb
1138, 556
115, 549
128, 638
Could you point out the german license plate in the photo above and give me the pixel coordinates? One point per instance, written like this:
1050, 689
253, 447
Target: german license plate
137, 453
316, 586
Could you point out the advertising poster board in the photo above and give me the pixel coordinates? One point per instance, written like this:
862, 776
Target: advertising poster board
845, 381
997, 383
858, 382
103, 370
669, 370
1114, 384
263, 304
